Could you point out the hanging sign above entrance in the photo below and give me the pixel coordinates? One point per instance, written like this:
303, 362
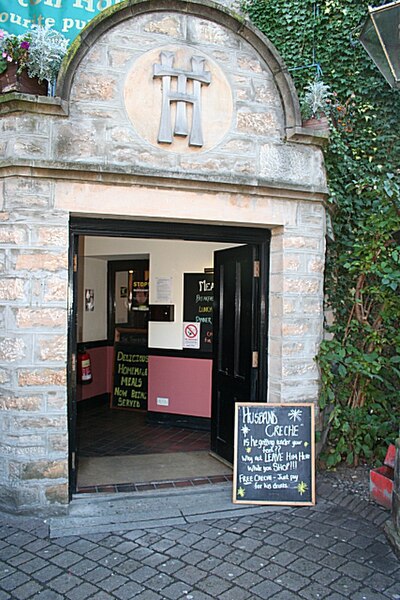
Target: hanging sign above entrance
67, 16
274, 454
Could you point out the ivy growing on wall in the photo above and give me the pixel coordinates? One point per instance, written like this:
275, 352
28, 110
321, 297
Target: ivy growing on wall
360, 358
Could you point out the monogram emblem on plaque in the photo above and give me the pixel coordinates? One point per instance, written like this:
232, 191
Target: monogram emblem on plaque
175, 90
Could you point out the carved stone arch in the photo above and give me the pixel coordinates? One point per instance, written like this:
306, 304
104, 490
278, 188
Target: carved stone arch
207, 10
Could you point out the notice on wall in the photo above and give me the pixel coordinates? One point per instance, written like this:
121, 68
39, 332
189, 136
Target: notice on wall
130, 378
89, 300
191, 335
274, 454
163, 290
198, 298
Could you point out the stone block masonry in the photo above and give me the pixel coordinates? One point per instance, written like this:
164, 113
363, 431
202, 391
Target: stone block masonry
33, 301
98, 132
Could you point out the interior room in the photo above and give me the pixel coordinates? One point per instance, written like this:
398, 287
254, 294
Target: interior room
144, 332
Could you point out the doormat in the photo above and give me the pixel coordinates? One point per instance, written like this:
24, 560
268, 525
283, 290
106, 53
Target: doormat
151, 471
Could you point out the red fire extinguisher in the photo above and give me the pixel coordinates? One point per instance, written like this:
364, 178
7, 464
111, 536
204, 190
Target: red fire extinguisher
84, 367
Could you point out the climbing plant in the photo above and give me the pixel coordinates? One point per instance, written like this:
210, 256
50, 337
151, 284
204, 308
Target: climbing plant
360, 357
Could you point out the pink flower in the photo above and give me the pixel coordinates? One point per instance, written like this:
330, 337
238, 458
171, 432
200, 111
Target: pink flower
9, 59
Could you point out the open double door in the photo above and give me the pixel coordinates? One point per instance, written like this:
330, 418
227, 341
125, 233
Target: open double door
239, 318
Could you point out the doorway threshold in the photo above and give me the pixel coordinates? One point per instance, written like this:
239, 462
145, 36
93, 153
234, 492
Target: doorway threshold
145, 486
144, 472
130, 512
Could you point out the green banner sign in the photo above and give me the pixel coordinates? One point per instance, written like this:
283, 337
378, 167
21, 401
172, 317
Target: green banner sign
67, 16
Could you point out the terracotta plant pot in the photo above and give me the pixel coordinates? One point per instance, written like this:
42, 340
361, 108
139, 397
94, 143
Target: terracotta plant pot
11, 81
322, 123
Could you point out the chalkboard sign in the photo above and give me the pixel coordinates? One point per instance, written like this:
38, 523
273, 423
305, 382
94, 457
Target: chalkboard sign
198, 298
130, 377
274, 454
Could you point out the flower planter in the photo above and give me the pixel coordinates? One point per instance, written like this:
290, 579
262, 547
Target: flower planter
392, 527
321, 124
396, 489
381, 480
11, 81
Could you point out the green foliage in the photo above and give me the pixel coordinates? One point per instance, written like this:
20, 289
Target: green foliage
359, 363
360, 432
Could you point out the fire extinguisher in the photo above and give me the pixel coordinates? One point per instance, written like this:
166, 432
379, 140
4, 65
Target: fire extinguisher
84, 367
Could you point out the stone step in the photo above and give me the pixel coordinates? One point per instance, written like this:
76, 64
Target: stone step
110, 513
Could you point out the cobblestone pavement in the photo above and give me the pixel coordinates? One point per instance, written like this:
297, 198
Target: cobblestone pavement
332, 551
350, 479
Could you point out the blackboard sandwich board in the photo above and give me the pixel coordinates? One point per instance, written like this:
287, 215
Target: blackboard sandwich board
274, 454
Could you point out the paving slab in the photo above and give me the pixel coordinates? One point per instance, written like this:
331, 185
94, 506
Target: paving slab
198, 546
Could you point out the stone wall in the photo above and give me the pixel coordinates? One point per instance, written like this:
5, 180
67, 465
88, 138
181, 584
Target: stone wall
110, 108
33, 345
87, 154
296, 305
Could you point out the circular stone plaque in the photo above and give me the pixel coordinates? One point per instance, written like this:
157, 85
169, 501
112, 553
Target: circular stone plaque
153, 87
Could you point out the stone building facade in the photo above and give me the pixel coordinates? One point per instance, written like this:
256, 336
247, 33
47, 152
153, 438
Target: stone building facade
95, 151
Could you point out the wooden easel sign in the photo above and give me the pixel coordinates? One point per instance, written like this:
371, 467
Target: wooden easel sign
274, 454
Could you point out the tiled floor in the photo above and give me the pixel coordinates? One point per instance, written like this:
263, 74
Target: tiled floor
106, 432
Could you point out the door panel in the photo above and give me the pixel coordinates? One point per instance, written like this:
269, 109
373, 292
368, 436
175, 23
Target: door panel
128, 295
236, 337
72, 364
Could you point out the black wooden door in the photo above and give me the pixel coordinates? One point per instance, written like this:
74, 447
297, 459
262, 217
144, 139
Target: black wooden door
72, 364
236, 325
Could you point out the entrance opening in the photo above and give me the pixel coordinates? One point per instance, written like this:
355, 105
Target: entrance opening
171, 345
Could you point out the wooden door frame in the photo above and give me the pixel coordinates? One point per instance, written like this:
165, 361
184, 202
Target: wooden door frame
83, 226
112, 267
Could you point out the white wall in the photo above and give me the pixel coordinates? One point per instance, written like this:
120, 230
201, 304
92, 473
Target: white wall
94, 323
172, 259
168, 258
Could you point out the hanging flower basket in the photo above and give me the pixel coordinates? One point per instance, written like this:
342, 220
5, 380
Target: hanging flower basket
321, 123
11, 81
316, 104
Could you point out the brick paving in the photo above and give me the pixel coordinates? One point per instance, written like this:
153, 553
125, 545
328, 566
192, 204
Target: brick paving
332, 551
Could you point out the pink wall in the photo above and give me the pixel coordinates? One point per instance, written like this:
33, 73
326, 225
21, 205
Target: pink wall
185, 381
101, 362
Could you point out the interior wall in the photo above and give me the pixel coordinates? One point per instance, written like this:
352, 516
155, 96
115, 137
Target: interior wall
173, 259
183, 383
102, 372
168, 259
94, 322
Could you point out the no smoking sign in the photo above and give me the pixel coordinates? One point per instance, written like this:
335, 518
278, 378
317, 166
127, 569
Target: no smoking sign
191, 335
